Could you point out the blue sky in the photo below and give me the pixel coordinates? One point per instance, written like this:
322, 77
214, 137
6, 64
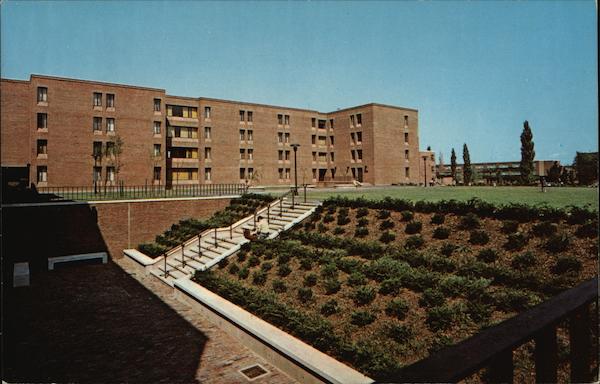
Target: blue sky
474, 70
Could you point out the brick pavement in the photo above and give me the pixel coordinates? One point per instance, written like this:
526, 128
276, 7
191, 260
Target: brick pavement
98, 324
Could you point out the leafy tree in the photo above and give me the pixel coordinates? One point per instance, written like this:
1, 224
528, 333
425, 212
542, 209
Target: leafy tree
453, 165
467, 169
114, 154
555, 172
586, 167
527, 154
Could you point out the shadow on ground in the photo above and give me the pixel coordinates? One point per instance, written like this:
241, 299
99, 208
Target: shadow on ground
92, 324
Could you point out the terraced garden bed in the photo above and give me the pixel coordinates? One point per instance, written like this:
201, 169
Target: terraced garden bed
380, 285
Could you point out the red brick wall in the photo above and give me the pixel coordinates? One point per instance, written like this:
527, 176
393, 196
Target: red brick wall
14, 122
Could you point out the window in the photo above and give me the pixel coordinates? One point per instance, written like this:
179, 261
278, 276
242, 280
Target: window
314, 174
353, 155
406, 137
97, 174
331, 123
331, 140
242, 173
358, 137
314, 156
97, 99
156, 105
42, 147
242, 154
97, 124
322, 140
242, 116
287, 155
313, 122
110, 100
250, 136
332, 156
359, 119
280, 119
313, 139
110, 148
407, 172
180, 111
157, 128
207, 174
242, 135
359, 154
42, 95
249, 116
250, 154
207, 153
406, 154
406, 122
42, 120
279, 137
207, 116
280, 155
250, 173
287, 120
352, 120
322, 124
42, 174
207, 134
352, 138
157, 173
280, 173
156, 150
110, 124
110, 173
287, 138
323, 157
287, 173
97, 149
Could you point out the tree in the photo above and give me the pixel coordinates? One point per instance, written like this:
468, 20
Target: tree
554, 172
453, 165
114, 154
467, 169
586, 167
440, 166
527, 154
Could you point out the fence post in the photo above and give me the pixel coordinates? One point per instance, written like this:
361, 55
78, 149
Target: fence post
216, 244
293, 200
579, 339
165, 260
182, 255
200, 244
255, 219
546, 356
269, 213
501, 369
231, 231
280, 207
305, 193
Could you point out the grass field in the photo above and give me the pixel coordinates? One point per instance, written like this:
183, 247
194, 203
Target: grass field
556, 197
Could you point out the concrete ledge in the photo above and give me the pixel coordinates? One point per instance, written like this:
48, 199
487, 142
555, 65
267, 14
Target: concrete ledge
299, 360
86, 256
141, 260
21, 275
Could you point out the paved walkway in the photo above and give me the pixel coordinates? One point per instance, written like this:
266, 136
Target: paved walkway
97, 324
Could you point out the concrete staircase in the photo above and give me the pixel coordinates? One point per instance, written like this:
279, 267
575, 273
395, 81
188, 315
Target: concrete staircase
211, 246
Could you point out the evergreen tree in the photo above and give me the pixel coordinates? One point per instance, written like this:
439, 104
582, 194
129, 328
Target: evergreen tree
554, 173
527, 154
453, 165
467, 169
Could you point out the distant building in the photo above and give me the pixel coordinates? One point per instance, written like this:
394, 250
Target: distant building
68, 131
494, 172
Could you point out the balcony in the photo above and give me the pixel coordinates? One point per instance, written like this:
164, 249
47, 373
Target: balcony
180, 162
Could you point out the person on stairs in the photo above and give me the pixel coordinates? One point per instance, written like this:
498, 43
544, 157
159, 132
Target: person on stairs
262, 228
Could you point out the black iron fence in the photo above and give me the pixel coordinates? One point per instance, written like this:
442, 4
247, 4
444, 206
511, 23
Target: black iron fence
493, 348
123, 192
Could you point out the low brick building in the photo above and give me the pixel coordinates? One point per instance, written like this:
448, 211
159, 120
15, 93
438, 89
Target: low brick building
80, 133
493, 172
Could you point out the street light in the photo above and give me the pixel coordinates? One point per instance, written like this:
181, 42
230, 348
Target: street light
295, 146
425, 170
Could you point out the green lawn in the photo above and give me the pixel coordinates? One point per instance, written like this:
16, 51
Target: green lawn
556, 197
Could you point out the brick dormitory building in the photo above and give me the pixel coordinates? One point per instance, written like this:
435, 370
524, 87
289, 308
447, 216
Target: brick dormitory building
76, 133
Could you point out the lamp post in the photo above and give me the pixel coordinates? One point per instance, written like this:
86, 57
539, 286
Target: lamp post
425, 171
295, 146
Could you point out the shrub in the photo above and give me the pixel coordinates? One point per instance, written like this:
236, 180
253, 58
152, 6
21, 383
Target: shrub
516, 241
447, 249
331, 209
383, 214
259, 277
558, 243
308, 226
356, 279
363, 295
544, 229
566, 264
488, 255
407, 215
400, 332
253, 261
440, 342
397, 308
241, 256
440, 318
266, 266
523, 261
414, 242
479, 237
283, 258
361, 232
438, 218
243, 273
432, 298
343, 211
279, 286
515, 300
284, 270
322, 228
343, 220
442, 264
349, 265
338, 230
478, 311
304, 294
329, 270
362, 212
589, 229
413, 227
578, 215
386, 224
510, 226
469, 221
362, 318
152, 249
363, 222
329, 308
310, 279
390, 286
441, 233
306, 264
234, 269
332, 286
387, 237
